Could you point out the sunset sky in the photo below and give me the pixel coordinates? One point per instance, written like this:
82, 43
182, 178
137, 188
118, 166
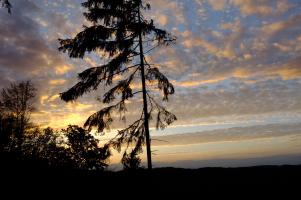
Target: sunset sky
236, 68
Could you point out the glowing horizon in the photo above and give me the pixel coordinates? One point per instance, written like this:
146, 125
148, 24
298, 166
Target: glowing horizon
236, 66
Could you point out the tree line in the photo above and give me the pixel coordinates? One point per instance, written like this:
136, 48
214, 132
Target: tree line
73, 147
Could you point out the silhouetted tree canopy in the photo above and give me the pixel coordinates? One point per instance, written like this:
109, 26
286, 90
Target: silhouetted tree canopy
47, 146
70, 148
120, 31
16, 102
6, 4
84, 149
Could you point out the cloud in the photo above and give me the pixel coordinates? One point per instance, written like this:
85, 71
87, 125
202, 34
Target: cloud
236, 98
290, 70
218, 4
262, 7
222, 66
231, 134
25, 52
281, 26
225, 46
173, 10
162, 20
57, 82
62, 69
195, 83
252, 160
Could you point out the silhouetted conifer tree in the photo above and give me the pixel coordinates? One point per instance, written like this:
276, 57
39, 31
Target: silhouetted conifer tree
120, 30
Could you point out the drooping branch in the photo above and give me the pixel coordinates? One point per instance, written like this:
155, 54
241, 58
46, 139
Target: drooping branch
164, 117
94, 38
103, 118
123, 87
163, 83
92, 77
129, 135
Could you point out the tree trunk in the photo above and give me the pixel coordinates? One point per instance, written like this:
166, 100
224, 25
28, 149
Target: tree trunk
145, 110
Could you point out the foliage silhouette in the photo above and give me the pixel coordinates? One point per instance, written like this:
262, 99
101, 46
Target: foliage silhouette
16, 104
119, 31
48, 147
6, 129
84, 149
74, 149
131, 161
6, 4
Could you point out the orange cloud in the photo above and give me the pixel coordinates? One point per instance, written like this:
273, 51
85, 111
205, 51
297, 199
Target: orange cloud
90, 61
248, 56
43, 98
240, 73
62, 69
227, 45
249, 7
78, 106
231, 25
162, 20
57, 82
198, 82
291, 70
63, 121
274, 28
217, 4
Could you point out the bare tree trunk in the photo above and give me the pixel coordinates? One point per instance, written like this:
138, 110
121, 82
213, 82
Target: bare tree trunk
145, 110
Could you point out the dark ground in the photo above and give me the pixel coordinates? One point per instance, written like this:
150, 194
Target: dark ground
32, 180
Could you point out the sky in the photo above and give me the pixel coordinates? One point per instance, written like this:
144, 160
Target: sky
236, 68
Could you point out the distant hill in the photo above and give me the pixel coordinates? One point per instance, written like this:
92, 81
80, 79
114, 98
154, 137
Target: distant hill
26, 176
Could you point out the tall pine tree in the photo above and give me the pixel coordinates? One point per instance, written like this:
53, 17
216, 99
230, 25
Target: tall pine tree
120, 30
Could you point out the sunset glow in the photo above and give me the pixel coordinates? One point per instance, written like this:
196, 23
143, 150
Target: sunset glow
236, 68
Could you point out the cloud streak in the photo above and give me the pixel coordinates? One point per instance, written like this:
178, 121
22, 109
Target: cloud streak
231, 134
